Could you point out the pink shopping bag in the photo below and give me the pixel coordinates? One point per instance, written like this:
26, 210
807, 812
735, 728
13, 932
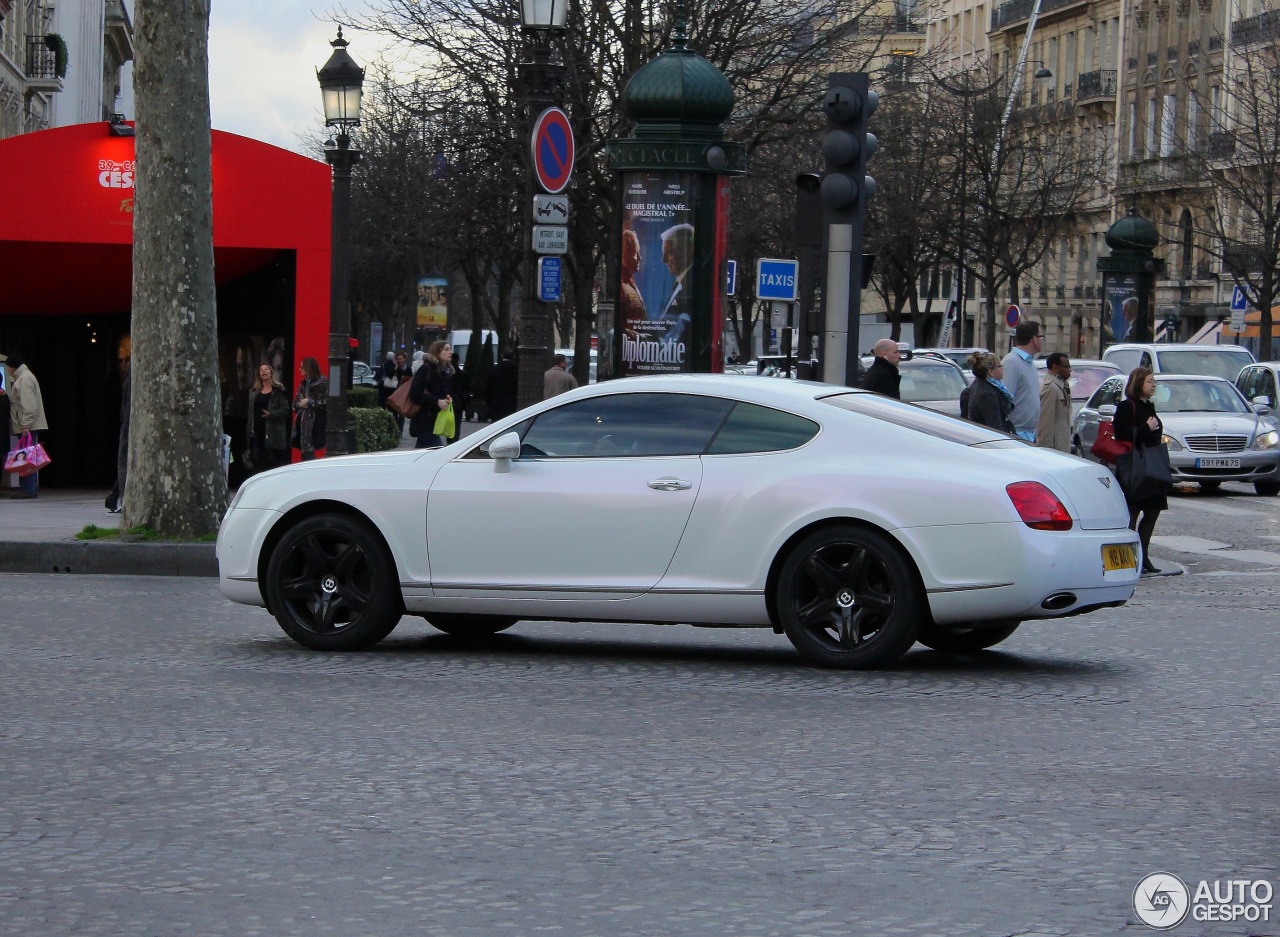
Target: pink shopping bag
27, 459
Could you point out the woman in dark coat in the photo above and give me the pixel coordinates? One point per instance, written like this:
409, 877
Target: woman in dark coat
311, 404
432, 389
1136, 422
267, 426
988, 401
501, 388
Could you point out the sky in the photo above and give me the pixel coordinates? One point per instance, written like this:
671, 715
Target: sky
263, 56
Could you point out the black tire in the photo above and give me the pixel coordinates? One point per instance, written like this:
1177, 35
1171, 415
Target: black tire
1076, 448
332, 584
1267, 489
963, 639
849, 599
469, 626
1209, 486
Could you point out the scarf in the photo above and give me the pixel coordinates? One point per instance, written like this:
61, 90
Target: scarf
1000, 387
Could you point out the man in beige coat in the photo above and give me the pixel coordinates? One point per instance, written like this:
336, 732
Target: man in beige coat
26, 413
556, 379
1053, 431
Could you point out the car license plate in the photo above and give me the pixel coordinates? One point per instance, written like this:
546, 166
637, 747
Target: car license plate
1119, 556
1217, 463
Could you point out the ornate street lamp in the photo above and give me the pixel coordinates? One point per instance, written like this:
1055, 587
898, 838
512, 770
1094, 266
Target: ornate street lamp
341, 86
539, 20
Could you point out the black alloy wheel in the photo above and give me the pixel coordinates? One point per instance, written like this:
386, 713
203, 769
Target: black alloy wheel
332, 586
967, 639
848, 598
469, 626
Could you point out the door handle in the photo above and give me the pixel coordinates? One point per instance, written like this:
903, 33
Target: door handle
670, 484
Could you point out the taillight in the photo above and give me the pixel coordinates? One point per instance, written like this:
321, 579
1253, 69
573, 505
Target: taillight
1038, 506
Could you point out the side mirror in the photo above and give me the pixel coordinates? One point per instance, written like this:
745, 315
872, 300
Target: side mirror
503, 449
1107, 411
1261, 406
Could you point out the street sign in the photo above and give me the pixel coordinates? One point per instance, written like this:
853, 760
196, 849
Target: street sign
777, 279
552, 150
550, 209
549, 279
731, 277
1238, 301
550, 239
1013, 315
779, 314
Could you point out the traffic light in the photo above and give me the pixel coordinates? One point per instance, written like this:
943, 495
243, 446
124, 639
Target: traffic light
846, 187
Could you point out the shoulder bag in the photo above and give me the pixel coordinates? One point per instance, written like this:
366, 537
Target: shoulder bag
399, 402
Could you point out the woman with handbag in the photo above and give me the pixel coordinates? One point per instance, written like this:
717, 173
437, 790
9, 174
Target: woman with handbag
267, 427
989, 402
1136, 422
432, 390
310, 404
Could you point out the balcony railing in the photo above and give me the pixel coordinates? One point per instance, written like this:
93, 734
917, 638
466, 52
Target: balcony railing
1204, 270
1099, 84
1261, 28
42, 62
1088, 292
1222, 143
1019, 11
1044, 292
1059, 292
1077, 292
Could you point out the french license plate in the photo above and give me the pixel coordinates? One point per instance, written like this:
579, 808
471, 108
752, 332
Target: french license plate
1119, 556
1217, 463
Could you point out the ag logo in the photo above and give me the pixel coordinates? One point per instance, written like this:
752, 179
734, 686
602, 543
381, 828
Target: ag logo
1161, 900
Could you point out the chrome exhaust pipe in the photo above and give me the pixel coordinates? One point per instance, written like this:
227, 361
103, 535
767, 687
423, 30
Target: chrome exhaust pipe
1058, 601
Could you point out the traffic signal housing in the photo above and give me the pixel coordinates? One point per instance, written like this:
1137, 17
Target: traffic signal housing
846, 188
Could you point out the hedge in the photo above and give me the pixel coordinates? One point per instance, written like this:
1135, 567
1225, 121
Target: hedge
376, 429
362, 396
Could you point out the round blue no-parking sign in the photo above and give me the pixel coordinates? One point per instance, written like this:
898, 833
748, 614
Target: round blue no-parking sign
552, 145
1013, 315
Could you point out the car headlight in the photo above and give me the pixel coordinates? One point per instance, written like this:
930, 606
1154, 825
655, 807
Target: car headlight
1267, 440
1171, 442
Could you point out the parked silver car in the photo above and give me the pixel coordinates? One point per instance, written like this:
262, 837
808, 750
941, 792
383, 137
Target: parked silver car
1213, 434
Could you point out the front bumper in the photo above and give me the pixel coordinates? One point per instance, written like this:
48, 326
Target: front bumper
1254, 466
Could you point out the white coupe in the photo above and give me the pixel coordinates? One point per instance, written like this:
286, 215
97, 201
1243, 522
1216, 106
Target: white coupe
855, 524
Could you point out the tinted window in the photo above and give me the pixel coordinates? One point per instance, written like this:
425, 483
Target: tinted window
1250, 382
1108, 393
919, 419
1085, 380
752, 428
1213, 363
626, 425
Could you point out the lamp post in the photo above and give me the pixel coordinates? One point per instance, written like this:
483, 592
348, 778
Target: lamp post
539, 20
341, 82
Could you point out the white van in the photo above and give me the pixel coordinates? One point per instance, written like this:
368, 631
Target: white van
460, 339
1212, 360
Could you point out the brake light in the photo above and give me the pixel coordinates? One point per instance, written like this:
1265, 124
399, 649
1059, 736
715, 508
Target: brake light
1038, 506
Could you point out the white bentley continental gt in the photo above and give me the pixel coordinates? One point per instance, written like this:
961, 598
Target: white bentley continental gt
855, 524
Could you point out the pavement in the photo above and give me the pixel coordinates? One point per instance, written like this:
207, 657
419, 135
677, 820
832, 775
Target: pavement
38, 536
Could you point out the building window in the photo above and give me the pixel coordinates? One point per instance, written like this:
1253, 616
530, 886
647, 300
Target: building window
1168, 123
1188, 245
1133, 129
1193, 119
1152, 107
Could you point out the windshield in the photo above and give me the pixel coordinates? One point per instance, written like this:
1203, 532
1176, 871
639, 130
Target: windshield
910, 416
1198, 396
1213, 363
930, 382
1085, 380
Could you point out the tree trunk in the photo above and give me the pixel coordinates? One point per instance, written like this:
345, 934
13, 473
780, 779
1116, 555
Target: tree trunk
175, 482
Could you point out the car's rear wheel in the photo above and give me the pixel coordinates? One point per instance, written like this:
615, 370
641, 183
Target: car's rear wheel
1209, 486
332, 585
966, 639
469, 626
1267, 489
848, 598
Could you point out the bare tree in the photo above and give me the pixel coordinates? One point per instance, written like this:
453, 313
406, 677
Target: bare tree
175, 481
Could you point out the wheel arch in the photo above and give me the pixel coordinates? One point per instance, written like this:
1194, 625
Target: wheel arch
775, 567
310, 509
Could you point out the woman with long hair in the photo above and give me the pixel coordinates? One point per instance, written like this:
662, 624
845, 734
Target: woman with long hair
1136, 422
988, 401
432, 389
267, 426
310, 404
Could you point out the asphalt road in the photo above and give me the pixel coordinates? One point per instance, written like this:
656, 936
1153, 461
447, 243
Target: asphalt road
171, 764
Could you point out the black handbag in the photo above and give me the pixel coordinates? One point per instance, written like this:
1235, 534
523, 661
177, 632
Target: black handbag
1144, 472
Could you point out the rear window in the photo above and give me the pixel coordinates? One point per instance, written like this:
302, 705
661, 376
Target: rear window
919, 419
931, 382
1213, 363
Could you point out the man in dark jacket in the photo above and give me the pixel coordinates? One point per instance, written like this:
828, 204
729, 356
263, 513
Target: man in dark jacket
501, 387
883, 377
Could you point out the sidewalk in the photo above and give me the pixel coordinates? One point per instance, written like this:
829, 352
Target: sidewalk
38, 536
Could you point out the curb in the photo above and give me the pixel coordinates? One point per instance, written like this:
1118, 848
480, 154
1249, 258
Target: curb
108, 558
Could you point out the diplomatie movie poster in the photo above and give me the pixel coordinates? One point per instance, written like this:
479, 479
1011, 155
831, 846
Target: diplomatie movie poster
656, 286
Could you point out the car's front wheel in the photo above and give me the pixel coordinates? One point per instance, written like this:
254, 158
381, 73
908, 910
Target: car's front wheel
332, 584
1209, 486
469, 626
848, 598
1267, 489
966, 639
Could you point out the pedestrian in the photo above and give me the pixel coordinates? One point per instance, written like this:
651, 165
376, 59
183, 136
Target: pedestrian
26, 413
417, 362
1021, 380
502, 387
990, 402
4, 417
403, 373
124, 360
1136, 422
883, 376
432, 390
557, 379
267, 426
310, 405
1053, 431
387, 379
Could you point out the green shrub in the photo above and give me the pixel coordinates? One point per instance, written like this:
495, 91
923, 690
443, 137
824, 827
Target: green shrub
363, 397
376, 429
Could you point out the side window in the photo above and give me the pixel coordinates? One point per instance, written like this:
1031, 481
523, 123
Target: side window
1145, 361
1126, 360
1116, 393
1104, 394
752, 428
631, 425
1267, 385
1249, 382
